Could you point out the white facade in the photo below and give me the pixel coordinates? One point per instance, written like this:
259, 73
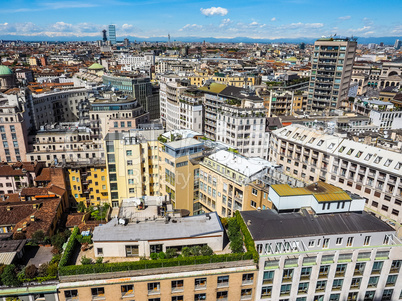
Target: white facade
388, 120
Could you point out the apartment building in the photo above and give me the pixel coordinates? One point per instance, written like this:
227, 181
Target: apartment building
15, 176
13, 130
65, 142
279, 103
87, 182
179, 167
225, 183
137, 86
374, 173
132, 160
328, 255
331, 72
235, 117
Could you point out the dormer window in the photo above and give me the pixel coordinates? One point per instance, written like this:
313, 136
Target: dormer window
377, 160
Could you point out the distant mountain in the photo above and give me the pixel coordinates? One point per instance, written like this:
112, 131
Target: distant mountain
360, 40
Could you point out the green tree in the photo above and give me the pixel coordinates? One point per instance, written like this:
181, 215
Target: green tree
99, 260
171, 253
9, 276
58, 240
81, 207
185, 251
206, 250
31, 271
38, 236
195, 251
85, 260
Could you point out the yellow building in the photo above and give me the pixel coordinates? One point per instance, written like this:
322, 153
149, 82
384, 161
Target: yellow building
226, 183
132, 163
87, 183
179, 171
299, 102
237, 81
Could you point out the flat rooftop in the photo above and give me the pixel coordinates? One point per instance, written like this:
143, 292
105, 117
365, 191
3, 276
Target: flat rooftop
176, 228
268, 224
322, 191
243, 165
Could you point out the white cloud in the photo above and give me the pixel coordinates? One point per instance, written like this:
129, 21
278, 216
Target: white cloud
273, 19
362, 29
345, 18
190, 27
127, 26
214, 11
300, 25
225, 22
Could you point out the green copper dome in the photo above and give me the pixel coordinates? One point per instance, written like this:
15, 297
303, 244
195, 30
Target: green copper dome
4, 70
95, 66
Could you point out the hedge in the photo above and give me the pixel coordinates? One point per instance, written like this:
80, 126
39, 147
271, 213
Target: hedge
149, 264
39, 279
70, 248
248, 240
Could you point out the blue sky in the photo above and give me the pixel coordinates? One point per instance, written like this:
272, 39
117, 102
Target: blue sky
220, 19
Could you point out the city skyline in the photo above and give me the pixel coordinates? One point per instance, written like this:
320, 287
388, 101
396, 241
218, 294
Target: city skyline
225, 19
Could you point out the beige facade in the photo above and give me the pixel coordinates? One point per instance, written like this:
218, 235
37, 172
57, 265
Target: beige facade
132, 161
179, 171
225, 184
373, 173
231, 281
331, 71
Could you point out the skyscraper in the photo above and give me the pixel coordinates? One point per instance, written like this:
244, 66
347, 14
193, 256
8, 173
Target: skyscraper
397, 44
331, 71
112, 34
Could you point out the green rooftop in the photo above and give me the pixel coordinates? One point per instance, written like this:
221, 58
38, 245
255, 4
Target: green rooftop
4, 70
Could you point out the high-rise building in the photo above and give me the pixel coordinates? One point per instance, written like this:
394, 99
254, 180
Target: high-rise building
331, 71
112, 34
398, 44
104, 37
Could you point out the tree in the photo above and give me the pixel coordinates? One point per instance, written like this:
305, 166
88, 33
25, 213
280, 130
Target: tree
85, 260
9, 276
31, 271
195, 251
99, 260
81, 207
58, 240
42, 270
38, 236
185, 251
206, 250
171, 253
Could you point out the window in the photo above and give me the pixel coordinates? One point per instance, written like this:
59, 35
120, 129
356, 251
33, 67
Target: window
248, 278
287, 274
305, 273
222, 295
339, 241
325, 243
200, 283
129, 153
130, 172
369, 296
352, 296
130, 181
311, 243
395, 266
127, 290
177, 286
71, 295
254, 191
377, 160
199, 297
177, 298
349, 242
355, 284
246, 294
98, 293
321, 284
268, 277
303, 287
334, 297
387, 294
377, 267
324, 270
359, 268
253, 204
129, 162
391, 280
99, 251
340, 270
373, 281
266, 291
131, 251
153, 287
337, 284
223, 281
156, 248
367, 240
285, 289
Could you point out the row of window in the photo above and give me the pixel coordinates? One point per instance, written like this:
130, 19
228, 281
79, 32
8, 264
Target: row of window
127, 290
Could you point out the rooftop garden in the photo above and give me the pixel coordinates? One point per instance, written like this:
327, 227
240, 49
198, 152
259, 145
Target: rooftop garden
241, 246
